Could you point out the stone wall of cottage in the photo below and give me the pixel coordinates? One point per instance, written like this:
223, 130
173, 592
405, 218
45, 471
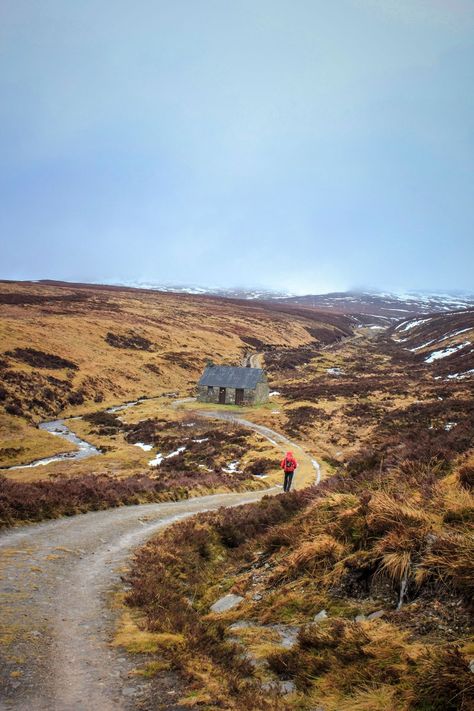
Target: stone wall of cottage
261, 393
251, 397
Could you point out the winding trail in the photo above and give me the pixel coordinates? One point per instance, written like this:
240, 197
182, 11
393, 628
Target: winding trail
275, 438
57, 581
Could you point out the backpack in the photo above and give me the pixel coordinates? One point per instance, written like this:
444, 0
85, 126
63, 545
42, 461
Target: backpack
289, 464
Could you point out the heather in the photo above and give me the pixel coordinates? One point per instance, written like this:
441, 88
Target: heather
357, 594
22, 502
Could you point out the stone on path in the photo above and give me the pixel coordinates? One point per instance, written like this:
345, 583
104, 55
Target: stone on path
226, 603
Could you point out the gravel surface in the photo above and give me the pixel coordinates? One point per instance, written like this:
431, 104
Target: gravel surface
57, 579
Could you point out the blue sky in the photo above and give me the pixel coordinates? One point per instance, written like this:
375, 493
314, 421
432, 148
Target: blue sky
296, 144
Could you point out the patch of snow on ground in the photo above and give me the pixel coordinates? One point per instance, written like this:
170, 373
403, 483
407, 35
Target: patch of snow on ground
466, 374
449, 426
456, 333
418, 348
156, 461
188, 424
176, 452
142, 445
202, 439
232, 468
335, 371
274, 393
275, 412
406, 326
436, 355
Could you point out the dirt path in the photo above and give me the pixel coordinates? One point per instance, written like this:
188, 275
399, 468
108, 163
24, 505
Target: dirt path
56, 581
56, 585
309, 470
253, 360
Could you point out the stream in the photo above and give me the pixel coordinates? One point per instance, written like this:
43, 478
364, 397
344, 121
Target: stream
59, 428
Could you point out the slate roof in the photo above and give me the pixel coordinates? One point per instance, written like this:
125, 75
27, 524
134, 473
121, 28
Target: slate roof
226, 376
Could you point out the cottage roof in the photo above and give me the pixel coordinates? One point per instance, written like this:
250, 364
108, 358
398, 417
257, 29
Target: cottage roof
226, 376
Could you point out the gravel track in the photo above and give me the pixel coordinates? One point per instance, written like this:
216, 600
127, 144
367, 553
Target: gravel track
57, 581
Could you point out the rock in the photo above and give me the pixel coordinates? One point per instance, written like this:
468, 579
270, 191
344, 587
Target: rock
288, 634
226, 603
281, 687
287, 687
376, 615
360, 618
256, 597
320, 616
471, 666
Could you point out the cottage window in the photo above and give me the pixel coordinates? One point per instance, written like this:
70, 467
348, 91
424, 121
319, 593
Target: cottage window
209, 389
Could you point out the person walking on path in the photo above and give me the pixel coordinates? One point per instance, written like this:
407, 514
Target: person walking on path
288, 464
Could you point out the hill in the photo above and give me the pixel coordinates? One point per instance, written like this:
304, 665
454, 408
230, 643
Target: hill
70, 350
385, 307
445, 343
356, 594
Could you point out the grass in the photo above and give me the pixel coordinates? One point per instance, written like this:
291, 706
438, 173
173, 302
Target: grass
396, 511
132, 636
398, 508
21, 443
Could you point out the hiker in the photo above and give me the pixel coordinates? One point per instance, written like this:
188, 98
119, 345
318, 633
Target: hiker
288, 464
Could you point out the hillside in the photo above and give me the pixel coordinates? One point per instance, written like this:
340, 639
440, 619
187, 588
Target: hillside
356, 594
67, 351
445, 343
385, 306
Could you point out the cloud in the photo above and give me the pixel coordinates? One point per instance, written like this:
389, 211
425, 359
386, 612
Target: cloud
300, 142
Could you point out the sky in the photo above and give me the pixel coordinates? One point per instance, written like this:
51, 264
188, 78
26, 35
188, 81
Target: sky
299, 145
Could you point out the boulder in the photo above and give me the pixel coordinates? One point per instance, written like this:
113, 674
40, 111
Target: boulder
226, 603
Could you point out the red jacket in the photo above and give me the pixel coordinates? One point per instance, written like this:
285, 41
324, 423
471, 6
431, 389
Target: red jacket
288, 463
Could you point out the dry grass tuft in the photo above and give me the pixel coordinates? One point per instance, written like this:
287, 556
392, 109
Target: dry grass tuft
444, 682
450, 563
385, 512
310, 558
368, 698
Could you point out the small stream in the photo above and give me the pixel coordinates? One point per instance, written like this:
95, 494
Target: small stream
59, 428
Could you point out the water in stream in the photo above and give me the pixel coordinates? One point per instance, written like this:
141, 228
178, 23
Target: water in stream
60, 429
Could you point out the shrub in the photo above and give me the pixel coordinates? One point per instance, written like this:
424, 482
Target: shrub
443, 682
449, 562
38, 359
260, 466
106, 419
129, 340
466, 476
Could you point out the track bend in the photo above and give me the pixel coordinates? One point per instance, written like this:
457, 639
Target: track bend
55, 587
56, 583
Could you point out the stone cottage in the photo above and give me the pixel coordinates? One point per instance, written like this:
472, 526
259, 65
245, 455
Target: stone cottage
229, 385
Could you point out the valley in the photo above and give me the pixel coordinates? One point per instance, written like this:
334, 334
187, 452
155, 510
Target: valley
353, 591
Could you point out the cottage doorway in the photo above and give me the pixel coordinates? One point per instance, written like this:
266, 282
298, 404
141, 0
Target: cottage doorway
222, 396
239, 396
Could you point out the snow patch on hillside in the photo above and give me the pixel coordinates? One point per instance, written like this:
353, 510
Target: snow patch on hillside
444, 353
